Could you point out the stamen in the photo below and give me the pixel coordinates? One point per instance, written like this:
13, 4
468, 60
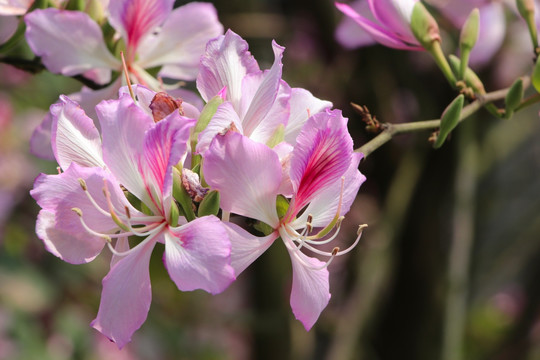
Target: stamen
83, 184
114, 217
126, 74
309, 227
79, 212
59, 169
128, 214
295, 250
142, 243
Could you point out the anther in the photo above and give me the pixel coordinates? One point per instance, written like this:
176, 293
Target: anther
361, 228
335, 251
77, 211
128, 214
83, 184
59, 169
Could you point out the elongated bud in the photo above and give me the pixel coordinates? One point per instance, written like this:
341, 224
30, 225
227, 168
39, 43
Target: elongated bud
449, 120
204, 118
424, 26
210, 204
94, 8
467, 39
513, 97
526, 9
469, 32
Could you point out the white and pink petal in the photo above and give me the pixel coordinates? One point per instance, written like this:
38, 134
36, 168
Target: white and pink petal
247, 175
68, 42
74, 136
181, 41
198, 255
225, 63
126, 296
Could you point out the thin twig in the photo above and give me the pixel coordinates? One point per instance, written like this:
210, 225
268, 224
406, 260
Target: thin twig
390, 130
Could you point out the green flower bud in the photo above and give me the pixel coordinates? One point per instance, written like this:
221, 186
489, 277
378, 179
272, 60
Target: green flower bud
424, 26
449, 120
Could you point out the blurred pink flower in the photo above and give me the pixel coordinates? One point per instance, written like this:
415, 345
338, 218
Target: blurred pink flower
385, 21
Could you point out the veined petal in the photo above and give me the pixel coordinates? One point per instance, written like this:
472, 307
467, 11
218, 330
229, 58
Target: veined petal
123, 125
75, 247
69, 42
396, 15
8, 26
245, 247
277, 115
310, 291
60, 228
198, 255
122, 244
303, 106
88, 98
126, 296
349, 34
14, 7
74, 136
321, 156
381, 34
323, 207
254, 108
181, 41
226, 61
40, 142
223, 118
135, 19
247, 175
164, 146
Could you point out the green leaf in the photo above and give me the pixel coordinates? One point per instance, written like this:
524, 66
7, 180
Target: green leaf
449, 120
209, 204
514, 97
536, 75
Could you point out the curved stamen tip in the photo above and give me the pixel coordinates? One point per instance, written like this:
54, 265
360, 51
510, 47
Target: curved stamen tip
361, 228
77, 211
83, 184
107, 239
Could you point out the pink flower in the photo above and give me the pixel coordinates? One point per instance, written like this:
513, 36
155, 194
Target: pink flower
257, 102
71, 43
9, 10
325, 179
385, 21
85, 207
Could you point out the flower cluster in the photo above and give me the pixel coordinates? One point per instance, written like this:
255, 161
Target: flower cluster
155, 169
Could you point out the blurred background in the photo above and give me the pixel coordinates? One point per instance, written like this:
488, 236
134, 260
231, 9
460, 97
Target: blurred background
449, 267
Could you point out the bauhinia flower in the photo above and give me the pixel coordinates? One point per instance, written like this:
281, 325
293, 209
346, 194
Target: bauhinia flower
385, 21
324, 174
85, 206
151, 34
258, 103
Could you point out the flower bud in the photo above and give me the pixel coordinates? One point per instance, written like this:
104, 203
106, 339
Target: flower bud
449, 120
513, 97
469, 32
424, 26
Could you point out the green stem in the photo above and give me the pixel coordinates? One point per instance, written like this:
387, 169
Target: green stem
438, 55
390, 130
533, 99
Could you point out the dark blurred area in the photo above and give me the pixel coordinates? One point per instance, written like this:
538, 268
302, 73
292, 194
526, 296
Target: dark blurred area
451, 254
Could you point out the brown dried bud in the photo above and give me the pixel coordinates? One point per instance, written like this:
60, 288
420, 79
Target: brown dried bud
192, 184
163, 104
